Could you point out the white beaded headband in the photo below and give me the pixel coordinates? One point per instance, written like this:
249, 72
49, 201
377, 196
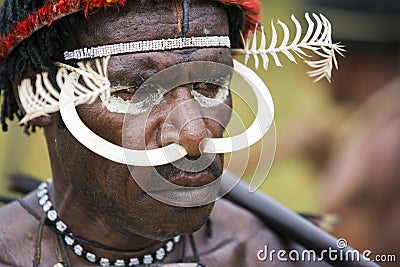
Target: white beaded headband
148, 46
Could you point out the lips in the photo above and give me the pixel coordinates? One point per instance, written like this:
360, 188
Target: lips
194, 180
187, 178
186, 184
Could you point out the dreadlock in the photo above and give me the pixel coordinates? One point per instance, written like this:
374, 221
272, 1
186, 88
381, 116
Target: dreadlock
36, 53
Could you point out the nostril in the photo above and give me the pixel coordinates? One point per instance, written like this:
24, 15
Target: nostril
168, 143
167, 135
192, 158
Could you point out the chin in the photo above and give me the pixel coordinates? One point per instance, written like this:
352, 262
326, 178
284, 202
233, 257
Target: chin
169, 221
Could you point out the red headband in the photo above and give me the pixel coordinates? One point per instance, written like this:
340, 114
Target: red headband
51, 12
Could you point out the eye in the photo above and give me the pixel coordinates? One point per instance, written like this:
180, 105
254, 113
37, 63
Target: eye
206, 89
129, 90
209, 95
126, 89
136, 94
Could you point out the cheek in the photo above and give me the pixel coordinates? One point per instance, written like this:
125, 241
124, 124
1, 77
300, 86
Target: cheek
83, 166
88, 172
217, 118
103, 123
120, 129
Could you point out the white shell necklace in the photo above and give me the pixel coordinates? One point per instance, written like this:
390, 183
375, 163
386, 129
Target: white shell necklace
71, 241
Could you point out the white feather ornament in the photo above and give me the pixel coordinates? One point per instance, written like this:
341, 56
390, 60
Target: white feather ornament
43, 99
317, 40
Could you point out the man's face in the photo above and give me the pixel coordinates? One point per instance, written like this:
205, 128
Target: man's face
108, 186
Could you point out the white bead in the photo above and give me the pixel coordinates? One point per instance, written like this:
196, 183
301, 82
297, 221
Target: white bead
47, 206
90, 257
169, 246
160, 254
119, 263
177, 238
104, 262
41, 193
148, 259
52, 215
42, 186
61, 226
43, 200
69, 240
134, 262
78, 250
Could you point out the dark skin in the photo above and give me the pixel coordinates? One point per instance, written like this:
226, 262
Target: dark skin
97, 198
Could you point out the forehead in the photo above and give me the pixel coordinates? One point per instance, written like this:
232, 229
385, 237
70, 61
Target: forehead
153, 20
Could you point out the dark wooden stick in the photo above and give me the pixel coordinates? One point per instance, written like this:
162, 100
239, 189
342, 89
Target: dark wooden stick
6, 200
22, 183
287, 223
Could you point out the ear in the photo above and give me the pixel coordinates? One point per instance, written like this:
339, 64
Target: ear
42, 121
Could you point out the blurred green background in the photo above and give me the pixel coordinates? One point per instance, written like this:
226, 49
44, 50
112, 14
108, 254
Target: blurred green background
293, 179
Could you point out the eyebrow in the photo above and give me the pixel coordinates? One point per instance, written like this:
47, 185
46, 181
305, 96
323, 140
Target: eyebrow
148, 46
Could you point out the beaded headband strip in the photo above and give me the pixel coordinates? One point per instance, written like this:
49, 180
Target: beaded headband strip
46, 15
147, 46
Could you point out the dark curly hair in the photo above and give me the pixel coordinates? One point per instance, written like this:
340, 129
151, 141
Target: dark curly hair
36, 53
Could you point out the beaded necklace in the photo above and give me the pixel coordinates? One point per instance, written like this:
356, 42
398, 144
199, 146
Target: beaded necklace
72, 241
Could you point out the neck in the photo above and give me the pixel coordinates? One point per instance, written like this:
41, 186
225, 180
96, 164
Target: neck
90, 225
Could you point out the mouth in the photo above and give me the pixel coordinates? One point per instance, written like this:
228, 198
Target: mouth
182, 172
189, 188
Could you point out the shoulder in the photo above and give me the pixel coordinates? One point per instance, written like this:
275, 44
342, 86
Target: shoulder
240, 238
244, 229
230, 218
18, 230
13, 234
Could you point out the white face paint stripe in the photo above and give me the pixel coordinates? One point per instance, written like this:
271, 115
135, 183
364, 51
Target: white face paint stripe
207, 102
118, 105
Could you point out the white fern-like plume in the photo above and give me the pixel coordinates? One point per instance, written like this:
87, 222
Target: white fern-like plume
317, 39
43, 99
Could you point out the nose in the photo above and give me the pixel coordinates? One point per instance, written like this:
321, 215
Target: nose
184, 123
